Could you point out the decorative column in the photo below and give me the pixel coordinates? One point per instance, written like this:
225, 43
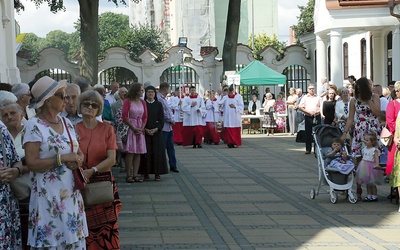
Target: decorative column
8, 20
378, 49
336, 57
396, 54
321, 60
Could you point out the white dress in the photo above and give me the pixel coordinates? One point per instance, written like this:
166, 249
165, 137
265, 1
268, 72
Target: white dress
57, 217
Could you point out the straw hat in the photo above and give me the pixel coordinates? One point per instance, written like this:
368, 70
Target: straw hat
43, 89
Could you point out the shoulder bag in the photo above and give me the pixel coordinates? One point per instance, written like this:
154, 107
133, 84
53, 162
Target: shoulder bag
21, 186
79, 176
386, 137
99, 190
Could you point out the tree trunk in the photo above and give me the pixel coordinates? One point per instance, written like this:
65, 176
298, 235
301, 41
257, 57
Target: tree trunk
231, 36
89, 64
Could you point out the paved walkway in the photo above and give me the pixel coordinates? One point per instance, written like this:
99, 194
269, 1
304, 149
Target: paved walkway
252, 197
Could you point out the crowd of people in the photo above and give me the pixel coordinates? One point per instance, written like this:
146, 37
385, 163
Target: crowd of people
51, 129
361, 109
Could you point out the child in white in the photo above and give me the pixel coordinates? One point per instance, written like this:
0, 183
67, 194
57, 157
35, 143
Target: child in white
368, 172
337, 159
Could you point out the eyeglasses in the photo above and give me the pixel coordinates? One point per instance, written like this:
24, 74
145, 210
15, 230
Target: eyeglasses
92, 104
311, 88
69, 97
60, 95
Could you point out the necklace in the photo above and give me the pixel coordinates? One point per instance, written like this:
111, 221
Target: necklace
58, 120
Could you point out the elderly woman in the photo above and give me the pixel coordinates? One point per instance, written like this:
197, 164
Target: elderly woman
23, 94
291, 103
269, 109
98, 143
342, 108
12, 115
10, 168
107, 113
57, 218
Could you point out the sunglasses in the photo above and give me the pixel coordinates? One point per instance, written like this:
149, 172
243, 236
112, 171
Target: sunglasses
60, 95
92, 104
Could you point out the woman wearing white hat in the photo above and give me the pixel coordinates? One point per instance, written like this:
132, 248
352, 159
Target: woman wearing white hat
57, 218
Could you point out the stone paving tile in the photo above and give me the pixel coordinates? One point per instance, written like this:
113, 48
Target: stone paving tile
252, 197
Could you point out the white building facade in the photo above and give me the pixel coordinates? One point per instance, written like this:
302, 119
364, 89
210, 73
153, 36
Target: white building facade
354, 38
9, 73
204, 21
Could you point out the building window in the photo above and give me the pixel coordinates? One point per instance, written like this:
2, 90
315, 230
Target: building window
363, 57
345, 60
389, 56
329, 63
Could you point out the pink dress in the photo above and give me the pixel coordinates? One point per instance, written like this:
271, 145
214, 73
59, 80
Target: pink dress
136, 112
280, 108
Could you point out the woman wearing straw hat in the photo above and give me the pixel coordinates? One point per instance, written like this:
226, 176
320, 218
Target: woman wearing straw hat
57, 218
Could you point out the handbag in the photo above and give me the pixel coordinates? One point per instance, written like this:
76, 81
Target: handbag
21, 186
386, 137
121, 127
79, 176
99, 190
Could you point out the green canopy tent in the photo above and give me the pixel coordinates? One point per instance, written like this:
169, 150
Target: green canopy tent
257, 74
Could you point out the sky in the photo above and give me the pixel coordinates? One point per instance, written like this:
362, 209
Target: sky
41, 21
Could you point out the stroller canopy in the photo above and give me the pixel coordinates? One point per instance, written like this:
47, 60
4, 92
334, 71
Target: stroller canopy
325, 133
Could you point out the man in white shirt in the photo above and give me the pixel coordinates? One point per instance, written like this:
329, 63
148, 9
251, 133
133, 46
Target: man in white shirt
377, 89
310, 106
114, 86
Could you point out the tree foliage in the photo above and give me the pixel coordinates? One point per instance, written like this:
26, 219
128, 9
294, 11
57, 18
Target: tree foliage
262, 40
305, 20
231, 36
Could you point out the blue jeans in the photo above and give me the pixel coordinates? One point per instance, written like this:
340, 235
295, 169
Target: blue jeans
169, 146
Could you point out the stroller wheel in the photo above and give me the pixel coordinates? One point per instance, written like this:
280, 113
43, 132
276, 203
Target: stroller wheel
352, 197
312, 193
334, 197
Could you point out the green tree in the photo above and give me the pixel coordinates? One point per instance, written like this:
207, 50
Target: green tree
262, 40
231, 36
138, 38
58, 39
31, 47
89, 14
305, 20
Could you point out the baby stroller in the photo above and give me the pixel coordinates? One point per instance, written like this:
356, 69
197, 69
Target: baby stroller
323, 136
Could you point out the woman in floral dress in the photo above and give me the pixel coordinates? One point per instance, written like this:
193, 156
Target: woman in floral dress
57, 218
364, 113
280, 108
10, 225
134, 114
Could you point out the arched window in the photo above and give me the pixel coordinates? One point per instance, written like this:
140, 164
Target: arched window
363, 57
329, 63
389, 56
345, 60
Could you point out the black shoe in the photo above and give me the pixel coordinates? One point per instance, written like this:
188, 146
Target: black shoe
199, 146
179, 144
174, 170
307, 152
230, 145
194, 146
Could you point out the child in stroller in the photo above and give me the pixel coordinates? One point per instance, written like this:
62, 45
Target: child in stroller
337, 159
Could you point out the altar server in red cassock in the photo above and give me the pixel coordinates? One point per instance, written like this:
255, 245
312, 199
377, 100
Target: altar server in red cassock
193, 109
211, 134
233, 109
175, 103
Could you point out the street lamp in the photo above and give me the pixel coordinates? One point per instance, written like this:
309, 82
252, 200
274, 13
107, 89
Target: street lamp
182, 42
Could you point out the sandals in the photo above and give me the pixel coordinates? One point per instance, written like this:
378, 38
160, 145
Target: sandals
370, 199
137, 179
130, 179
